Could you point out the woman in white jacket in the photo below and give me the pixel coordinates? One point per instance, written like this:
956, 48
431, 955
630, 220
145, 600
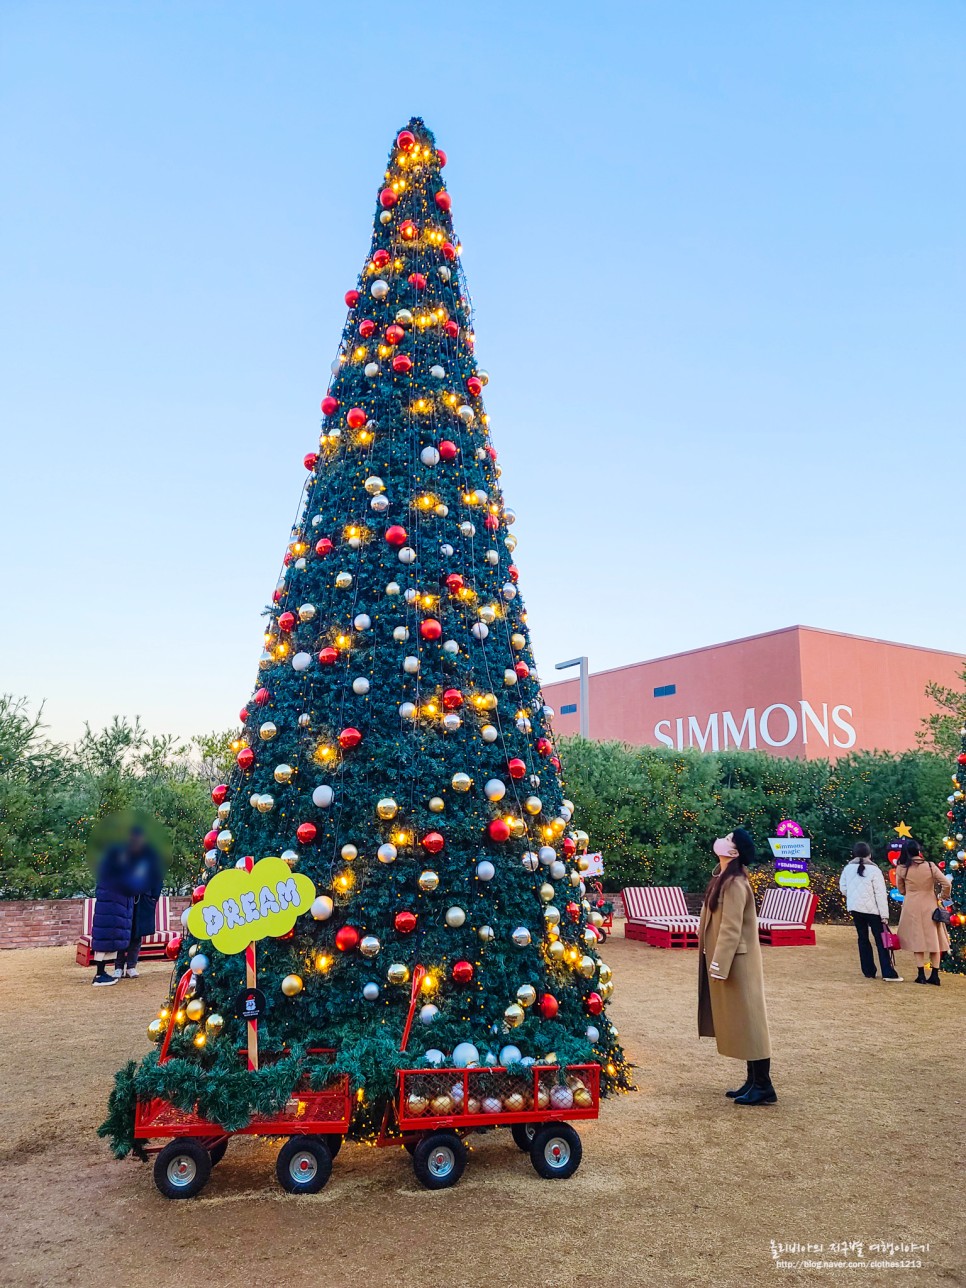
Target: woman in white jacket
866, 898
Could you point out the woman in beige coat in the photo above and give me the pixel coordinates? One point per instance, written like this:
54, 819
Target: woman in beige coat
917, 879
731, 986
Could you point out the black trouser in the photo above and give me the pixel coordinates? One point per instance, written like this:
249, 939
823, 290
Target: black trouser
127, 958
866, 923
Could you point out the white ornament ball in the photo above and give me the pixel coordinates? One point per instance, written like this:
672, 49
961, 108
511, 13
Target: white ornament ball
429, 456
379, 504
468, 529
487, 934
547, 855
374, 485
323, 796
370, 992
343, 580
322, 908
485, 870
466, 414
411, 595
386, 853
393, 588
400, 634
510, 678
434, 1058
465, 1055
451, 648
521, 936
455, 917
371, 370
199, 964
446, 550
184, 915
349, 852
445, 272
451, 721
428, 1013
592, 1034
411, 665
289, 857
360, 685
492, 556
437, 372
385, 217
407, 710
494, 789
561, 1097
480, 630
407, 555
558, 870
489, 733
510, 1055
492, 1104
362, 622
301, 661
379, 289
369, 945
530, 861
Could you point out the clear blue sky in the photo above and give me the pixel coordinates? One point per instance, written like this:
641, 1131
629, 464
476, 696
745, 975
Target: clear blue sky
717, 257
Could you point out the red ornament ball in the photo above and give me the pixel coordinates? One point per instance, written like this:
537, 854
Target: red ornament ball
402, 363
513, 572
306, 832
350, 737
569, 847
555, 761
521, 669
245, 758
243, 715
396, 534
346, 938
286, 560
329, 405
516, 767
329, 656
310, 460
323, 546
405, 921
387, 198
441, 157
454, 583
462, 972
405, 140
395, 334
277, 596
452, 699
444, 201
961, 758
432, 842
352, 298
548, 1006
211, 839
498, 830
452, 329
449, 250
430, 629
408, 230
381, 258
544, 746
475, 385
219, 793
286, 622
197, 894
573, 911
172, 948
367, 328
417, 280
355, 418
448, 451
594, 1003
492, 523
261, 696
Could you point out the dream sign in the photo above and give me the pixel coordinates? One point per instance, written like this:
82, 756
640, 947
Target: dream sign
240, 907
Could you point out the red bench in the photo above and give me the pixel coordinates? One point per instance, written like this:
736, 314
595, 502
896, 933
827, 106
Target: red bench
786, 917
659, 915
152, 946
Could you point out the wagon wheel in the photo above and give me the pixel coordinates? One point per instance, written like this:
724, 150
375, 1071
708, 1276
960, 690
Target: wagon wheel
182, 1168
217, 1152
523, 1134
334, 1143
410, 1140
439, 1160
304, 1164
556, 1151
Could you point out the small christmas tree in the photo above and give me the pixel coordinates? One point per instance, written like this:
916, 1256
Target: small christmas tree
955, 843
396, 746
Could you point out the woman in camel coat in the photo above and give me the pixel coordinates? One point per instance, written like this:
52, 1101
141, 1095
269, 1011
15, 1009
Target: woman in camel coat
731, 986
917, 879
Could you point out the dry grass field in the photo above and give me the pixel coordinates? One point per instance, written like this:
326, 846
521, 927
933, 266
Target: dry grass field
677, 1186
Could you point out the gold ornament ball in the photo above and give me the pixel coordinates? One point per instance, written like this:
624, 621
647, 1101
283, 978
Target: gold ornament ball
292, 985
583, 1098
587, 967
595, 918
428, 880
488, 702
462, 782
513, 1016
517, 640
543, 1097
214, 1024
265, 803
306, 612
517, 827
387, 808
556, 950
607, 989
416, 1105
442, 1105
533, 805
156, 1030
267, 731
472, 1105
526, 995
224, 809
398, 973
606, 974
437, 805
590, 939
195, 1009
546, 892
224, 841
283, 773
349, 852
514, 1103
551, 915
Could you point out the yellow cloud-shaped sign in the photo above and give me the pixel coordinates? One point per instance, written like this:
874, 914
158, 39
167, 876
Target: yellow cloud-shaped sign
241, 906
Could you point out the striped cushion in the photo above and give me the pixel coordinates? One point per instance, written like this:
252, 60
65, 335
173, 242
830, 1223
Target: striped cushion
785, 908
679, 927
644, 902
666, 921
88, 918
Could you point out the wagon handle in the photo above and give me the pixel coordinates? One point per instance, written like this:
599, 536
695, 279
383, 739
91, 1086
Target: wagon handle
179, 993
419, 973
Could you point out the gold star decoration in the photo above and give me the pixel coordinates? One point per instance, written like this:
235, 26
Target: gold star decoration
903, 829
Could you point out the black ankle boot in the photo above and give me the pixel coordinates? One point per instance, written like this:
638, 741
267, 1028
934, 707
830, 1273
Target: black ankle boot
761, 1092
934, 976
746, 1086
921, 976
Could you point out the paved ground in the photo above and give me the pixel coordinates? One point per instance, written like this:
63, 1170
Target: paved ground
677, 1186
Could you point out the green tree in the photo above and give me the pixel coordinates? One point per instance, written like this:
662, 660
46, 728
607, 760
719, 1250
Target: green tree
940, 730
397, 751
954, 848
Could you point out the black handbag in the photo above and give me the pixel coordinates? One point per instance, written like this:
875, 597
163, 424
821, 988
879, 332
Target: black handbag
940, 913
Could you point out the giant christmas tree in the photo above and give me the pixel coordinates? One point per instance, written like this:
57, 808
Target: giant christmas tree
955, 843
396, 746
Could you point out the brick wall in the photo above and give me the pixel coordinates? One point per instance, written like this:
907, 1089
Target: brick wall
47, 923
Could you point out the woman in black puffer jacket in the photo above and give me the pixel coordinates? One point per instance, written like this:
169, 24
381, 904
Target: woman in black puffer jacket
113, 911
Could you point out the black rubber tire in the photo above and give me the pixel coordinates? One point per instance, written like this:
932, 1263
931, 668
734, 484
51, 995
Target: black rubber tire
439, 1160
523, 1134
410, 1143
217, 1152
334, 1143
182, 1168
556, 1151
304, 1164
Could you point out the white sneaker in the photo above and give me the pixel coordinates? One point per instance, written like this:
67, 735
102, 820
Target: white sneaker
892, 979
119, 974
132, 973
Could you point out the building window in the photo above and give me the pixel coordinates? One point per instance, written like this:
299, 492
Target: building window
569, 710
665, 691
